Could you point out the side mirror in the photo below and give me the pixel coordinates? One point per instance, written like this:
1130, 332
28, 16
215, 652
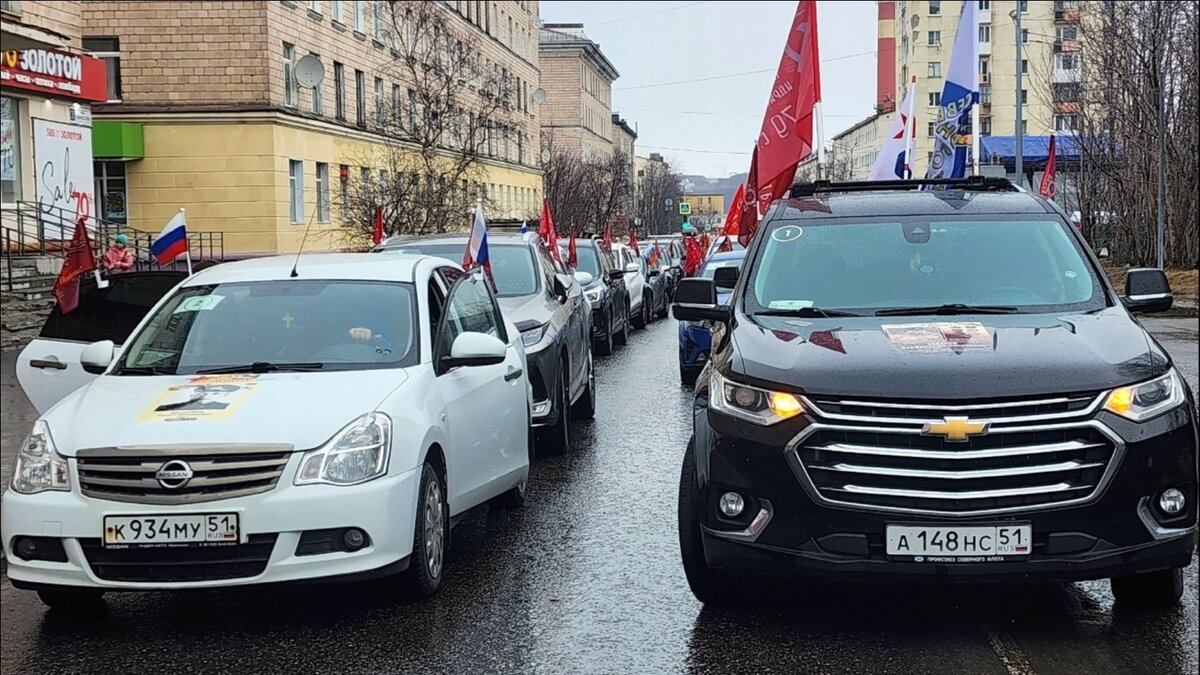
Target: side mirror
562, 284
696, 300
616, 275
584, 278
725, 277
474, 349
655, 272
632, 268
96, 357
678, 269
1147, 290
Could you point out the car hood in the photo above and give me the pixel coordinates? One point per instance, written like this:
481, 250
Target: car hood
301, 409
525, 308
953, 357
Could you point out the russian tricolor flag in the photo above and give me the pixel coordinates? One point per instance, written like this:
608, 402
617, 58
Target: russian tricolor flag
172, 242
476, 254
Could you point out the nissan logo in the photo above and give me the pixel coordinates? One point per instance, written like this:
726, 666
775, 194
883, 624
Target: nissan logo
174, 474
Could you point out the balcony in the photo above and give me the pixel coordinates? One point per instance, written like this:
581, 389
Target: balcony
985, 48
1061, 75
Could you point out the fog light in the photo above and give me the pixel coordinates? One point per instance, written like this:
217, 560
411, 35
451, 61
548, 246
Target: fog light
354, 539
1171, 501
732, 504
26, 548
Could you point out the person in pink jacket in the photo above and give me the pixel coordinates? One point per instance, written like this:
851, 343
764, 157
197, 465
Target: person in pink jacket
117, 258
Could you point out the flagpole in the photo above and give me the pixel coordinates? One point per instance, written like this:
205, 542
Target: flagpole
910, 127
187, 250
819, 137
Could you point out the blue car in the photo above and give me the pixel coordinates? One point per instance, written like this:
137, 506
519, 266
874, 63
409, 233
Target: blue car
695, 337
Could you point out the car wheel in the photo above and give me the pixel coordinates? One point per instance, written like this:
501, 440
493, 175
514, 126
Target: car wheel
516, 496
73, 601
1163, 588
639, 321
604, 346
431, 533
710, 586
666, 307
585, 408
557, 436
687, 376
622, 338
647, 310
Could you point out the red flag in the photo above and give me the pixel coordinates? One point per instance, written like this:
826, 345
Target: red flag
572, 252
377, 233
608, 236
633, 241
705, 243
652, 257
79, 261
693, 256
786, 136
547, 232
1047, 187
733, 219
726, 244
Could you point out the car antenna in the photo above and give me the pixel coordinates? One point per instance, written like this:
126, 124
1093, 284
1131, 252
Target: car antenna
303, 239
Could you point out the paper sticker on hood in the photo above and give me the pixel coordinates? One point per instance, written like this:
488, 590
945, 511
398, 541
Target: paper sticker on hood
207, 397
939, 337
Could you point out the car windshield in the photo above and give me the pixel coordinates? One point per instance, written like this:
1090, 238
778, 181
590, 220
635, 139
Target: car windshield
316, 323
710, 268
588, 262
512, 264
1025, 265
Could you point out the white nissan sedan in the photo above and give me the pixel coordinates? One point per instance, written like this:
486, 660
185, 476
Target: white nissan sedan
265, 425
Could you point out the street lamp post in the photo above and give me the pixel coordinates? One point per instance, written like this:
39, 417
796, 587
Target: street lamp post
1018, 148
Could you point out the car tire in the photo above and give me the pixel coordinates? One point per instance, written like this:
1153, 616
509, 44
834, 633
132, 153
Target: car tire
1163, 588
604, 347
710, 586
687, 376
666, 308
648, 310
72, 601
640, 321
622, 338
515, 497
585, 408
431, 534
556, 437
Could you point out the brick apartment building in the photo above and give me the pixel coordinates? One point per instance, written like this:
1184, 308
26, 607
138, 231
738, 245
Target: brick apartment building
208, 115
577, 79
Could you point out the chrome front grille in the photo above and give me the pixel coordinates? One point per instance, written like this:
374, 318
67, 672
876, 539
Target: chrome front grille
218, 472
1034, 454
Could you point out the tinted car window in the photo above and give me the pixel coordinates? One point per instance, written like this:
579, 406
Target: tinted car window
470, 310
110, 313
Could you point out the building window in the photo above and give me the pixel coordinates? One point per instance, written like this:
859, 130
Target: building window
1065, 92
932, 129
412, 111
289, 78
377, 13
339, 90
935, 69
367, 189
1024, 6
394, 113
985, 34
985, 126
10, 150
1025, 36
322, 192
1024, 96
360, 98
109, 50
356, 12
984, 70
985, 5
318, 101
335, 10
344, 192
1066, 33
315, 6
1024, 66
935, 37
378, 100
296, 190
935, 98
1069, 123
11, 6
1066, 61
935, 7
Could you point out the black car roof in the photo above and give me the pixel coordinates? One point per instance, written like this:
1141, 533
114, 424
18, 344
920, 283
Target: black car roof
874, 203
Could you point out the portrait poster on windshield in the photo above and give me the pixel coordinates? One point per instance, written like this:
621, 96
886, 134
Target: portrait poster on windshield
206, 397
62, 155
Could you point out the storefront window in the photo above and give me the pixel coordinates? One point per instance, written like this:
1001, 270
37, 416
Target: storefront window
10, 150
110, 191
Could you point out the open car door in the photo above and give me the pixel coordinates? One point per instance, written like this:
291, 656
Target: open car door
48, 369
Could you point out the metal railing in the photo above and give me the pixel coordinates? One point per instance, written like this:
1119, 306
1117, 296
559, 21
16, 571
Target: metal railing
31, 230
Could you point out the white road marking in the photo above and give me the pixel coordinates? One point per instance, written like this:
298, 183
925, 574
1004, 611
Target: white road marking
1010, 654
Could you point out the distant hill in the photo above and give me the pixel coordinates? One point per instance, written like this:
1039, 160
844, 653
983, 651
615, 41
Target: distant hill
693, 184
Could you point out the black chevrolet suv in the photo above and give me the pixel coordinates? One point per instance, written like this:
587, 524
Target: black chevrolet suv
935, 384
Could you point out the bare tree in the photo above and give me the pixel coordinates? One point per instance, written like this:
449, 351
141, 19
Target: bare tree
450, 113
658, 184
586, 192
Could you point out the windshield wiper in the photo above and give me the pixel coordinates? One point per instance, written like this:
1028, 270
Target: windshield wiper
805, 312
955, 308
143, 370
261, 367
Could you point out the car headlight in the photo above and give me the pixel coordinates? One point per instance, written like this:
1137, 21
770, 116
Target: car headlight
593, 295
760, 406
1140, 402
532, 335
357, 454
39, 466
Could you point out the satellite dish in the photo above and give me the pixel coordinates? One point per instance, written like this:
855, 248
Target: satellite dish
538, 96
546, 156
309, 71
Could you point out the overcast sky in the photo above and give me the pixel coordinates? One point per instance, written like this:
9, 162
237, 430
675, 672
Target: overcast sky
656, 42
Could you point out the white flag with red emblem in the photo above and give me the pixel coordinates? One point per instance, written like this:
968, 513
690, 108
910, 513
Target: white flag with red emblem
893, 161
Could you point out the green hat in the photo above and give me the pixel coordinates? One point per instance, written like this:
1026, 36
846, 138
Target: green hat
122, 239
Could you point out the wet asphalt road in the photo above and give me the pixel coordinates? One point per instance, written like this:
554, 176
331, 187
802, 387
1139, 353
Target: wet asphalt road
587, 578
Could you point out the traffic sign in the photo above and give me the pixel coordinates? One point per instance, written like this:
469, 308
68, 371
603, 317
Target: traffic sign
669, 202
685, 209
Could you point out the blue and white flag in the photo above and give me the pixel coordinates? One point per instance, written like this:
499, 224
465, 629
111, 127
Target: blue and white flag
959, 94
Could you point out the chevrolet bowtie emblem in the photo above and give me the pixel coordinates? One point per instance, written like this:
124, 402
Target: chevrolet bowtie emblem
955, 429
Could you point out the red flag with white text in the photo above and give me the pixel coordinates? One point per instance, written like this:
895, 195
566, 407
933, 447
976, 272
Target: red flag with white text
733, 219
79, 261
1048, 188
786, 136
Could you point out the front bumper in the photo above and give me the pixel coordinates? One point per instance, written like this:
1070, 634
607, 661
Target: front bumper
1118, 532
543, 366
384, 508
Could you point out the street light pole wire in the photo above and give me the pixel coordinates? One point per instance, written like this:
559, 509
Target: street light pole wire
729, 75
639, 16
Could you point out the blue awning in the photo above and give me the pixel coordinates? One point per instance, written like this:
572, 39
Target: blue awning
1035, 150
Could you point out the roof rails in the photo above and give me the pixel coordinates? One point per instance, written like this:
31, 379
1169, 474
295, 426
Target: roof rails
971, 183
